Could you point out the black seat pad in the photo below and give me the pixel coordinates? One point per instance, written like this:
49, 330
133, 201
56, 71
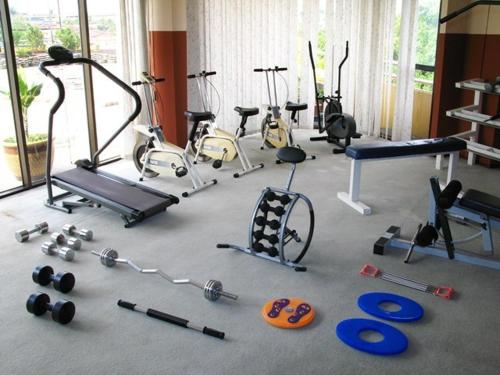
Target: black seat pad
291, 155
198, 116
247, 111
295, 106
405, 148
482, 202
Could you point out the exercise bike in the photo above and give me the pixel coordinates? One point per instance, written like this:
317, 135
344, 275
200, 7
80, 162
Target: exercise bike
337, 124
207, 140
152, 152
276, 133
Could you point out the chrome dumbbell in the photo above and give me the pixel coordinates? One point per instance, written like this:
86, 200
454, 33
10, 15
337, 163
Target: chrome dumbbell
50, 248
23, 235
59, 239
84, 234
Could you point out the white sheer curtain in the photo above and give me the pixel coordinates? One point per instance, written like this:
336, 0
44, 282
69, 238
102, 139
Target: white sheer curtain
403, 112
367, 26
133, 57
233, 37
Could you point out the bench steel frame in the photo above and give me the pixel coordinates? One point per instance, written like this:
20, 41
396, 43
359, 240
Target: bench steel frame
485, 223
352, 197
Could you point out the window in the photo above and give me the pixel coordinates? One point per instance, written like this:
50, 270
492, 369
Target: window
105, 44
36, 26
10, 167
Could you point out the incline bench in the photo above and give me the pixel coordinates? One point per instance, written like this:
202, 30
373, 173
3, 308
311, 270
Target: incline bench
385, 150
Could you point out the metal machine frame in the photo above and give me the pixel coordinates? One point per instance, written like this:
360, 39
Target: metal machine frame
154, 135
208, 131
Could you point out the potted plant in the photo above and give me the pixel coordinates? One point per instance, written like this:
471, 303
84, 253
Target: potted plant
36, 143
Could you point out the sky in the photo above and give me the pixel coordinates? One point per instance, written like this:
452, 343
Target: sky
68, 7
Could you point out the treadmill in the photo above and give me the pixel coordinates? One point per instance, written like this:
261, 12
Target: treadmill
134, 202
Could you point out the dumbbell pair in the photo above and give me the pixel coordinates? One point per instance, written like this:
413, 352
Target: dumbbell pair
38, 303
66, 252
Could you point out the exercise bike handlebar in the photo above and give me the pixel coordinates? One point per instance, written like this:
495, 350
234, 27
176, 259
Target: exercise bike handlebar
275, 69
148, 79
202, 74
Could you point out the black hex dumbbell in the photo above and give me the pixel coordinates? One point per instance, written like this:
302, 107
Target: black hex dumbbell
62, 281
62, 311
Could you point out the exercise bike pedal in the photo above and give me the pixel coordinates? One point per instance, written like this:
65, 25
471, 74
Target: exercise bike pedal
181, 171
217, 164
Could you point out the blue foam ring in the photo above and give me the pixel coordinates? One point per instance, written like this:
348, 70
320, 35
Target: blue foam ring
410, 310
394, 341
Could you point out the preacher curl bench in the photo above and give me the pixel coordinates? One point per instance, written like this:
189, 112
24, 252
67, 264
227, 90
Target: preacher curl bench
473, 208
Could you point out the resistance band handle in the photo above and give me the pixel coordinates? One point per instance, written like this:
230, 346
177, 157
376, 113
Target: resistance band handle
127, 305
443, 291
213, 332
369, 270
258, 70
277, 69
167, 318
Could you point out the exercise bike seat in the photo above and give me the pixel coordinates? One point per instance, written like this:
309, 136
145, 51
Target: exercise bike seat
198, 116
481, 202
247, 111
291, 155
290, 106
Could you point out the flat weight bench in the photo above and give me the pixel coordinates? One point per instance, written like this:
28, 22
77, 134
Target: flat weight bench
390, 150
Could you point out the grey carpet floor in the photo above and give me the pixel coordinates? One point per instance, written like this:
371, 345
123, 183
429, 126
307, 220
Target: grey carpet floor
458, 336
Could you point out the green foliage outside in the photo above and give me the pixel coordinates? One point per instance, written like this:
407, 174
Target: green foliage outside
19, 26
106, 24
427, 28
34, 38
68, 38
27, 93
27, 38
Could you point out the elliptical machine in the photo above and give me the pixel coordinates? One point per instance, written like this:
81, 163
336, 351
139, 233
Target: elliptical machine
152, 152
337, 124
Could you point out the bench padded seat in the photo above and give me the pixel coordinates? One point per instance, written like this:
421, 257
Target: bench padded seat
198, 116
247, 111
290, 106
481, 202
380, 150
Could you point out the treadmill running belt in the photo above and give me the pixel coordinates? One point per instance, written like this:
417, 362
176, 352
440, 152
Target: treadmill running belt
126, 195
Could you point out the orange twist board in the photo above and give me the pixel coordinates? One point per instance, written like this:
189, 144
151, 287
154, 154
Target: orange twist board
288, 313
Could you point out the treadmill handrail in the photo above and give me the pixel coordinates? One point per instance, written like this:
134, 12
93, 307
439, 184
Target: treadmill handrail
108, 74
466, 8
53, 110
